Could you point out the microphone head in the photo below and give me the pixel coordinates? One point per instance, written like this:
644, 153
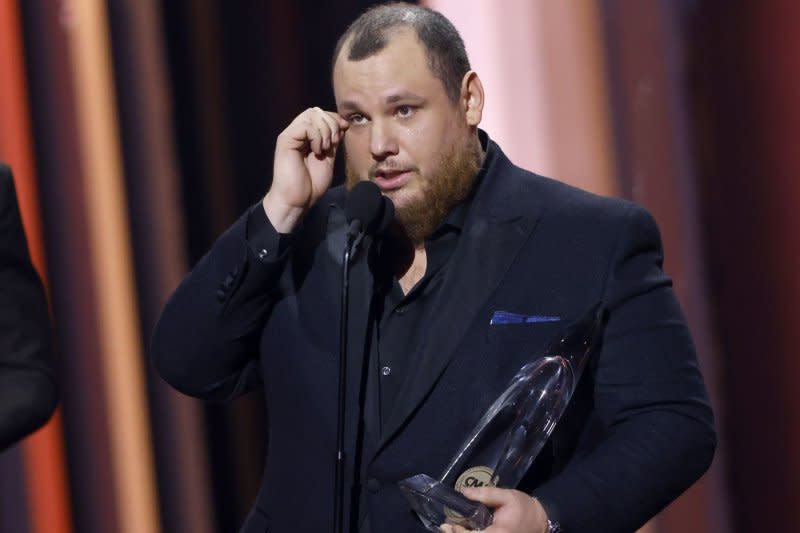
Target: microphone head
366, 204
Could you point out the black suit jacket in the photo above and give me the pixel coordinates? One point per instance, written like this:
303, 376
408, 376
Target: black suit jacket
27, 389
638, 432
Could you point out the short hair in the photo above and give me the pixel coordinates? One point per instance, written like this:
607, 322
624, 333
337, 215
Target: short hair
447, 56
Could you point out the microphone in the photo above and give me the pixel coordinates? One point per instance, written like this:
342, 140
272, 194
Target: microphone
367, 210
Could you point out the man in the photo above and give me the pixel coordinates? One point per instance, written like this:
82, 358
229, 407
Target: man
27, 389
474, 235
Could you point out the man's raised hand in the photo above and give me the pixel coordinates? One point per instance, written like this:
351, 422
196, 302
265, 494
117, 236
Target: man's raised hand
303, 170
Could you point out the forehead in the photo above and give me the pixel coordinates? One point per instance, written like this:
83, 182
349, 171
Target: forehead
401, 65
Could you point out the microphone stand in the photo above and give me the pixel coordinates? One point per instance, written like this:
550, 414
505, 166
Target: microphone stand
367, 212
338, 496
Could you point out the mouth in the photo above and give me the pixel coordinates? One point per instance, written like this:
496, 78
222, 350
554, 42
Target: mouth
389, 180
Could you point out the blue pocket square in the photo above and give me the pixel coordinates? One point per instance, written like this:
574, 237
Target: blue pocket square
504, 317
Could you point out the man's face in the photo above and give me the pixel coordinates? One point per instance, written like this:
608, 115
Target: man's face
405, 134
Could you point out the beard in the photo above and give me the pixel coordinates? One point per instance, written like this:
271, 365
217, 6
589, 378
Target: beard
449, 184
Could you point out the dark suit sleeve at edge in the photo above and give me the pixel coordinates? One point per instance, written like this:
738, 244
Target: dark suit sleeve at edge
205, 343
649, 394
27, 388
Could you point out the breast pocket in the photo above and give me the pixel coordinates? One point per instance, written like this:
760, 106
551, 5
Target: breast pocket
522, 341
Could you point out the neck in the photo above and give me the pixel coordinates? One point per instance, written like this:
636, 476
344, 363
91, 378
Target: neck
416, 270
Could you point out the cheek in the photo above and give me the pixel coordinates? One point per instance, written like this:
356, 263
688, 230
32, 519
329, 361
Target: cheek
356, 152
428, 149
421, 144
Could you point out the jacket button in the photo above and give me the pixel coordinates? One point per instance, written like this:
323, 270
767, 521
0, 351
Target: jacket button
373, 485
221, 295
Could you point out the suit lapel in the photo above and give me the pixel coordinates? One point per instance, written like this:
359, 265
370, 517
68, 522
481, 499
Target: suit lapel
496, 228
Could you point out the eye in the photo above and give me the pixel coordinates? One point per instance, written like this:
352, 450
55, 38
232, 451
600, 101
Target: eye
357, 119
404, 111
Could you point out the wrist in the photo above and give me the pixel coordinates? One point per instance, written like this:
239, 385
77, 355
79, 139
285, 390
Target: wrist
548, 525
284, 218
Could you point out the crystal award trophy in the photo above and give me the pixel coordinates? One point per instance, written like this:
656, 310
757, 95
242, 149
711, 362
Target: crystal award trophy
503, 445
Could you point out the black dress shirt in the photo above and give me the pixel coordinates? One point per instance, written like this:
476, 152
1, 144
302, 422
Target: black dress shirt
402, 319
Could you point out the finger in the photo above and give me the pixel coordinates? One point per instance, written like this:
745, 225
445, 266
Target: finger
334, 127
314, 137
325, 131
453, 528
316, 122
327, 152
329, 155
326, 135
491, 496
299, 135
341, 121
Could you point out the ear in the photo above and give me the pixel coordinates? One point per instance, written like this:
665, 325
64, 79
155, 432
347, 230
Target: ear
472, 98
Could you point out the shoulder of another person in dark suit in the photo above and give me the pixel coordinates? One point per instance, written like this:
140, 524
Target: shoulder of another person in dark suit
28, 393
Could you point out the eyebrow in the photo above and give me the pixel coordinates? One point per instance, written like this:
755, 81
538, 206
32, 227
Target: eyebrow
349, 105
398, 97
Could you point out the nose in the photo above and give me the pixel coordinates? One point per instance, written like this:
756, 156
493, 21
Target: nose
382, 141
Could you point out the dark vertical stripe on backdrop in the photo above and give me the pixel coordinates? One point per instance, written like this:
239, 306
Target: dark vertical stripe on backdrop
74, 316
650, 93
198, 89
157, 233
203, 135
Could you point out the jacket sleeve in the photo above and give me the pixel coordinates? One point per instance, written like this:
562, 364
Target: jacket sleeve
648, 394
27, 387
205, 343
